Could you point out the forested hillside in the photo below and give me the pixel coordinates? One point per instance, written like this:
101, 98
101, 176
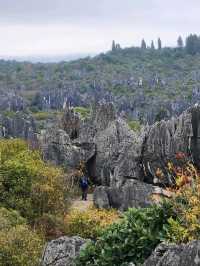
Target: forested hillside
147, 83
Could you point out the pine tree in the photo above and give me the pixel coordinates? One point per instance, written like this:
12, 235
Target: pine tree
152, 45
159, 44
143, 44
113, 46
117, 46
192, 44
180, 42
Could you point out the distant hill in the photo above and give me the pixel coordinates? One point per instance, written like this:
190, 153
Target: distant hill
46, 58
148, 84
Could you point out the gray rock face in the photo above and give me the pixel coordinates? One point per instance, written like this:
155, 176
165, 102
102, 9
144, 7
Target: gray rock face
164, 141
60, 149
120, 159
11, 102
175, 255
96, 141
102, 115
110, 143
70, 123
133, 193
19, 125
62, 251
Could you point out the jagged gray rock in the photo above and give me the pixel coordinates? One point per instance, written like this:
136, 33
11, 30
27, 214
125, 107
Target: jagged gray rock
18, 125
115, 156
60, 149
11, 102
133, 193
175, 255
70, 122
62, 251
109, 145
163, 142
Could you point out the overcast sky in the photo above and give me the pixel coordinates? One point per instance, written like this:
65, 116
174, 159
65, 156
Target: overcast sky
53, 27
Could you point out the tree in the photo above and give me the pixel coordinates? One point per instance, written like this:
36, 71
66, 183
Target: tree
159, 44
180, 42
143, 44
117, 46
192, 44
152, 45
113, 46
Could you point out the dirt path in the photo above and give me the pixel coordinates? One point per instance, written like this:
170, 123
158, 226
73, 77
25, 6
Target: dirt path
82, 205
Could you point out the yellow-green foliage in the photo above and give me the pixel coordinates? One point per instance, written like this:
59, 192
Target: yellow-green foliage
88, 224
185, 226
134, 125
27, 183
84, 112
19, 245
9, 219
42, 115
51, 226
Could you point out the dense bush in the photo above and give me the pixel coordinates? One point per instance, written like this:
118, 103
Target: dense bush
84, 112
89, 223
19, 245
51, 226
27, 184
134, 125
130, 240
42, 115
186, 206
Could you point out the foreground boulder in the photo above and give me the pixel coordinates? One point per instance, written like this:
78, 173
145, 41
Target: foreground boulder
62, 251
175, 255
133, 193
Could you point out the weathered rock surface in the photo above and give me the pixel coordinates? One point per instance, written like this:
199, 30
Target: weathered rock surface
11, 102
175, 255
18, 125
117, 157
70, 123
60, 149
133, 193
62, 251
164, 141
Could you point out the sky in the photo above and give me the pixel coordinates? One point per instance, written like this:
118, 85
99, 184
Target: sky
58, 27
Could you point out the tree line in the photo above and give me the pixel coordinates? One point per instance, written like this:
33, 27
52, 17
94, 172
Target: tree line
191, 45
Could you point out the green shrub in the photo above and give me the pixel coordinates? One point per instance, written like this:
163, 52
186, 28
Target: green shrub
28, 184
51, 226
84, 112
34, 109
19, 245
10, 218
89, 223
134, 125
10, 114
131, 240
185, 225
40, 116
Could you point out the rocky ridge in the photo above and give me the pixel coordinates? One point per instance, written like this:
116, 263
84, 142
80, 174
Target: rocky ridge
120, 160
